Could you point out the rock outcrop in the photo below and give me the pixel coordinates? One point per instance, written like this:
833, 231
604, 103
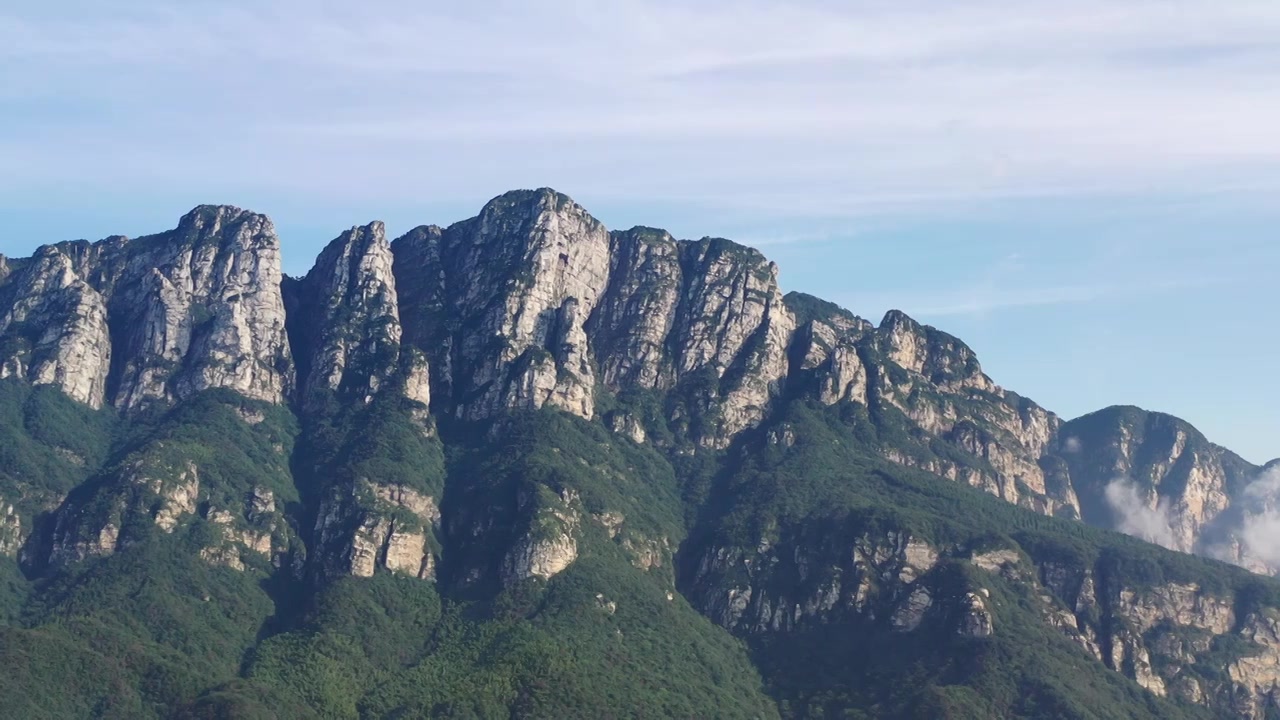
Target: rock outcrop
517, 307
818, 576
344, 321
372, 526
500, 303
677, 310
54, 328
1156, 477
127, 322
550, 543
11, 535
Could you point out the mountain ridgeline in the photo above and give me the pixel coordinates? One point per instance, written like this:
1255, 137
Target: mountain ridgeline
525, 466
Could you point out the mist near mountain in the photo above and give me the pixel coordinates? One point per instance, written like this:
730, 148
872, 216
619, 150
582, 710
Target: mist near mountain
1134, 516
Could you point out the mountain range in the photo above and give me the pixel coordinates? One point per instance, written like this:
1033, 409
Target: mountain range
526, 466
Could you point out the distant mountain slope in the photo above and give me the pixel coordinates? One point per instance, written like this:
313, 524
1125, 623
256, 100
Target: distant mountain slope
524, 466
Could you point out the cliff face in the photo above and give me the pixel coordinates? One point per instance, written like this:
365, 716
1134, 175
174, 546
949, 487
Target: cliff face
126, 322
1156, 477
517, 307
1162, 636
936, 409
365, 420
500, 303
534, 303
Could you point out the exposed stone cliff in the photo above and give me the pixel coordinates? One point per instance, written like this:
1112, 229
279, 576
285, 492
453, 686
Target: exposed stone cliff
126, 322
532, 303
1156, 477
684, 347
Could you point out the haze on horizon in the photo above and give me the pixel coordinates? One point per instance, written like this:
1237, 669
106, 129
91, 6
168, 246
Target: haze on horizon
1085, 194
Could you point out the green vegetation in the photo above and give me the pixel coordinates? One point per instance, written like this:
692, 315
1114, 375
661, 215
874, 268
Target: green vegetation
49, 444
818, 496
384, 648
154, 630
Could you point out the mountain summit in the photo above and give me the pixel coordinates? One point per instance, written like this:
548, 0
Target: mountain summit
526, 466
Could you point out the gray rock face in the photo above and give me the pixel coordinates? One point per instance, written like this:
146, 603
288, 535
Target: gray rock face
1162, 636
549, 548
500, 303
372, 526
200, 307
1156, 477
829, 576
732, 322
344, 321
153, 319
679, 310
940, 387
827, 348
629, 331
11, 535
1166, 630
932, 385
517, 307
54, 327
976, 620
151, 489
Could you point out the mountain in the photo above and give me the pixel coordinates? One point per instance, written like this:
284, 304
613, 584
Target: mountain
525, 466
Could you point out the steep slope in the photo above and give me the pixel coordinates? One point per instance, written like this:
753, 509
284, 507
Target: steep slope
125, 322
926, 392
819, 548
525, 466
1156, 477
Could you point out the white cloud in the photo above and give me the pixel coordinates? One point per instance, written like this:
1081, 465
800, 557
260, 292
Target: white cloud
833, 104
1259, 530
1136, 516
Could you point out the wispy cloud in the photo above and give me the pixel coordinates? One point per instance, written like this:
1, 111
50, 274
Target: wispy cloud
1010, 283
984, 300
1141, 514
832, 102
981, 301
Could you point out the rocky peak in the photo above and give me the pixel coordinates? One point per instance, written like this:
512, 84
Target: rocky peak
201, 307
54, 327
732, 322
940, 357
809, 309
205, 221
500, 303
824, 354
420, 284
154, 319
345, 321
630, 328
1151, 475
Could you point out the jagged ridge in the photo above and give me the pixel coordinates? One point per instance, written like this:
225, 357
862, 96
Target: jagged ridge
531, 303
683, 346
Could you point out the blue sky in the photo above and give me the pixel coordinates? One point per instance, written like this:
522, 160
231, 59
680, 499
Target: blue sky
1086, 192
